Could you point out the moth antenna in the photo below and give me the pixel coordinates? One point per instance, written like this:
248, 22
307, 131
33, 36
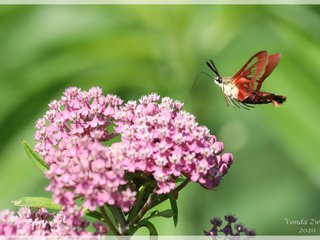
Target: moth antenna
214, 66
211, 67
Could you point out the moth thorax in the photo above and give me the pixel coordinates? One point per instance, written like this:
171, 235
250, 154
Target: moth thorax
228, 88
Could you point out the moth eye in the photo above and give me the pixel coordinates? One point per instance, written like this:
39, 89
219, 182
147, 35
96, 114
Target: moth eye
219, 80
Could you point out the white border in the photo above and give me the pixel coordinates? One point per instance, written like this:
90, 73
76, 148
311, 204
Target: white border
153, 2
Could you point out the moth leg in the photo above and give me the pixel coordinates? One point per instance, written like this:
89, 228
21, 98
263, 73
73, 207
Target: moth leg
245, 106
248, 105
226, 99
225, 96
235, 103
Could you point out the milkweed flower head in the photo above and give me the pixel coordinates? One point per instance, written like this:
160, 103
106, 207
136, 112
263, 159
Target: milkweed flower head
77, 113
42, 223
84, 168
160, 142
166, 142
70, 138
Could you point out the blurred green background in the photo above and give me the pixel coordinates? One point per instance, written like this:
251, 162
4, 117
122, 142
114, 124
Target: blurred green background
134, 50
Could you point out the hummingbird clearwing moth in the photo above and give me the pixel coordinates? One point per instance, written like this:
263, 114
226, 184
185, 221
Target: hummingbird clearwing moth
243, 89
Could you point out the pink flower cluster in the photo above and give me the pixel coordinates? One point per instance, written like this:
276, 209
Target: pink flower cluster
166, 142
84, 168
77, 113
70, 137
41, 223
158, 139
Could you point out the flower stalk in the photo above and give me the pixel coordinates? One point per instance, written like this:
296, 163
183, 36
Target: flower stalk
109, 222
153, 200
118, 217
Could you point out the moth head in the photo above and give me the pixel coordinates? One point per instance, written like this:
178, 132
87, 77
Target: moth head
218, 80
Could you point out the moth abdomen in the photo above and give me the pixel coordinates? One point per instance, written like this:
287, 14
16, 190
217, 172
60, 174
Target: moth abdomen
264, 98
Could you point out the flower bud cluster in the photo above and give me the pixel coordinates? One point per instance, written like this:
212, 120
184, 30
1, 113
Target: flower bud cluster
231, 228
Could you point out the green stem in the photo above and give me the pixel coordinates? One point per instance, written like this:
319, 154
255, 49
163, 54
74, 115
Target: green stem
108, 221
139, 200
176, 190
118, 217
147, 206
153, 201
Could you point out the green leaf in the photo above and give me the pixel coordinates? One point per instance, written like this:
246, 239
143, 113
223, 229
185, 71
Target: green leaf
179, 179
34, 156
37, 202
174, 208
94, 214
142, 197
150, 226
166, 213
152, 215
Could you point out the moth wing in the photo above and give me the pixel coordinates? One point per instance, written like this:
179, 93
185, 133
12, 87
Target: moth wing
253, 67
246, 77
273, 61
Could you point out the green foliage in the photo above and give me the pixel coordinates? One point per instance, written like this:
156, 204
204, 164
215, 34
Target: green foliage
166, 214
95, 214
135, 50
34, 156
150, 227
37, 202
142, 196
174, 207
